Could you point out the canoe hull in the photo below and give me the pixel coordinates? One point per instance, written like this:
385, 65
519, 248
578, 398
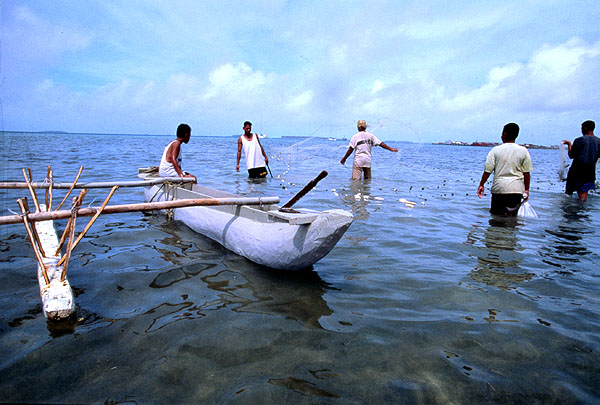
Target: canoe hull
260, 234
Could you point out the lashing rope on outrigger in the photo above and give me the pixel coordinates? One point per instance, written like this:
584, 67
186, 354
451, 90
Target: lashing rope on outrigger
169, 190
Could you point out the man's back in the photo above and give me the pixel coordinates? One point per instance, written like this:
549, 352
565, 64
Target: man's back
363, 142
508, 162
585, 150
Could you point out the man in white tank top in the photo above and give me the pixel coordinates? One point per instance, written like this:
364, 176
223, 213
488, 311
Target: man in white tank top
170, 162
256, 158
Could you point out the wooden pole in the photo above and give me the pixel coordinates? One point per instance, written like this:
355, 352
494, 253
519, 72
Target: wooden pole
160, 205
32, 240
49, 190
305, 190
63, 237
36, 236
105, 184
69, 224
65, 259
87, 227
33, 195
70, 188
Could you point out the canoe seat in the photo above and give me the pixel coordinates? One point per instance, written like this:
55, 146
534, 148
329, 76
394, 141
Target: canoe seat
296, 218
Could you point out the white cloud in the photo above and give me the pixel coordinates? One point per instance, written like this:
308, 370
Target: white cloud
236, 82
300, 101
450, 23
555, 64
492, 92
377, 86
554, 77
498, 74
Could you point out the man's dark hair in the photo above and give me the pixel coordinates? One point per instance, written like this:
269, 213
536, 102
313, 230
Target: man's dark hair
183, 129
589, 125
512, 131
247, 123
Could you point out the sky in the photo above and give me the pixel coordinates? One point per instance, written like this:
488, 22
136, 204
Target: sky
419, 71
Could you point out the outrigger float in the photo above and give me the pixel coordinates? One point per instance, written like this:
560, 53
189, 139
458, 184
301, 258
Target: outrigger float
253, 227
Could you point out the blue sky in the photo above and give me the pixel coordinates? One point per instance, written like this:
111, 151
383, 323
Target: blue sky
423, 71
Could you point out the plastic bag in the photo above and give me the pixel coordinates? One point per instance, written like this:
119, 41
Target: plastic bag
526, 211
564, 162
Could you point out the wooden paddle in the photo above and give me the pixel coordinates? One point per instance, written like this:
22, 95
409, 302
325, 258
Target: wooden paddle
288, 205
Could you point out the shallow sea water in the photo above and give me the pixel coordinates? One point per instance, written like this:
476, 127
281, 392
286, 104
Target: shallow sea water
433, 302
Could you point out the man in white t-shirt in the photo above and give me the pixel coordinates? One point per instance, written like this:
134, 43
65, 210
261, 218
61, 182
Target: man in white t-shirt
361, 143
511, 165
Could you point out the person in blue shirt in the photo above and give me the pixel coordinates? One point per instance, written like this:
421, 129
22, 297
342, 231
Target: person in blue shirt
585, 152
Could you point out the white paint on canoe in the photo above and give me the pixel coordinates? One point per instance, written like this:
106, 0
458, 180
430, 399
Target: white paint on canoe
58, 301
262, 234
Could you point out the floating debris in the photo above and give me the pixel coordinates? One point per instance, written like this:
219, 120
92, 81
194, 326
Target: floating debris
409, 204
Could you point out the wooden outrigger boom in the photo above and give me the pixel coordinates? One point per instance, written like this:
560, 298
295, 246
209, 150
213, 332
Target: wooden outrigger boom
118, 209
102, 184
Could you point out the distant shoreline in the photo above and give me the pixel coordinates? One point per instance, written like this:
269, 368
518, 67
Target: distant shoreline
80, 133
447, 143
492, 144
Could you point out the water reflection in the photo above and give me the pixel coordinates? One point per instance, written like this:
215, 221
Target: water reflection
240, 285
243, 286
565, 247
245, 186
357, 198
168, 255
296, 295
499, 263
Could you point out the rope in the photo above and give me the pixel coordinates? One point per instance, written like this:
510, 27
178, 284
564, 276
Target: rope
168, 188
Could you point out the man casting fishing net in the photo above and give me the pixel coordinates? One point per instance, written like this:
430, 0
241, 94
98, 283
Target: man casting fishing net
361, 143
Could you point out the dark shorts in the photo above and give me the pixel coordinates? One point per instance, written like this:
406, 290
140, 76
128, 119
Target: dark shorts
579, 187
257, 172
505, 204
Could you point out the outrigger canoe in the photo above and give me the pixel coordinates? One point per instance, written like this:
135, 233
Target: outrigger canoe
261, 233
